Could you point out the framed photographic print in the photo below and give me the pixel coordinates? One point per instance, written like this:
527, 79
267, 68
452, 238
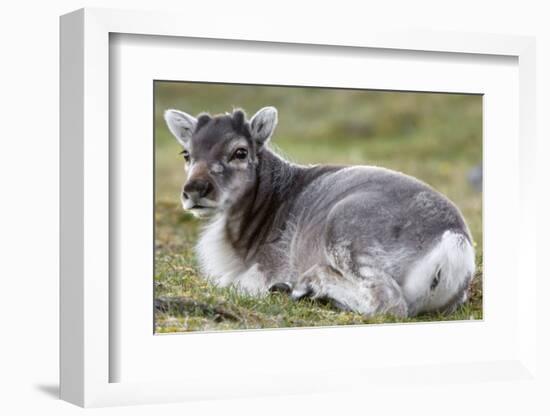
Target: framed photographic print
262, 214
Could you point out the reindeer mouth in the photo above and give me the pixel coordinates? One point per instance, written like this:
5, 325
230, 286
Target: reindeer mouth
202, 211
202, 207
201, 204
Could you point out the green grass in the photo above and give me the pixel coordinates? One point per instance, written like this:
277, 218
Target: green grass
435, 137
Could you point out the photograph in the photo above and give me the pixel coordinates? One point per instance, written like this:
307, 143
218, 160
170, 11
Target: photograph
290, 206
230, 209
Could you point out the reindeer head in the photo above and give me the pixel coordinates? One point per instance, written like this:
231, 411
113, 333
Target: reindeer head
221, 155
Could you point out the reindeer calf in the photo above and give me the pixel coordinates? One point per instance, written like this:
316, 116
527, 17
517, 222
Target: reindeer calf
369, 239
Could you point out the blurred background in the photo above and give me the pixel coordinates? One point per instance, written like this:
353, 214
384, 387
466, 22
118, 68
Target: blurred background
433, 136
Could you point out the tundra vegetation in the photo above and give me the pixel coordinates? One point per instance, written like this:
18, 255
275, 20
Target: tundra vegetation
434, 137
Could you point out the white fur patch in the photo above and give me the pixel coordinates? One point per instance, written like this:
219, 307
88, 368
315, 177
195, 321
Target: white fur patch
252, 281
454, 259
221, 264
216, 167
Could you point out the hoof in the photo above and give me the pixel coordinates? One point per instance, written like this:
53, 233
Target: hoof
304, 292
281, 287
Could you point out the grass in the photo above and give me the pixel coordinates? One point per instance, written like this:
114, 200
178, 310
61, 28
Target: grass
208, 308
436, 137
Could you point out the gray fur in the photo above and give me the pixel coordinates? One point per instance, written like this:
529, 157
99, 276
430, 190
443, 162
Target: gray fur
355, 235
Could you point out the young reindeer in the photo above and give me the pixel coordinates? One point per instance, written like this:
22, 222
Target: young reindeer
368, 239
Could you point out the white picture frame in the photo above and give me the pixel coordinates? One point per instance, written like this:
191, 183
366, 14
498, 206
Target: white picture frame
87, 355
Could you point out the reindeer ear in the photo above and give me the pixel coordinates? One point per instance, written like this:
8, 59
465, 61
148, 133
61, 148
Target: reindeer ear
181, 125
262, 124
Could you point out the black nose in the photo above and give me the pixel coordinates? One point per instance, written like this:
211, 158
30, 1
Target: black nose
197, 189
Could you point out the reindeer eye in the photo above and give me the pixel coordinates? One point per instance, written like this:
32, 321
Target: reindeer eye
240, 154
185, 154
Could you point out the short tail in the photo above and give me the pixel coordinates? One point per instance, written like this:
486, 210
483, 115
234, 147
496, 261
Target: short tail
439, 281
